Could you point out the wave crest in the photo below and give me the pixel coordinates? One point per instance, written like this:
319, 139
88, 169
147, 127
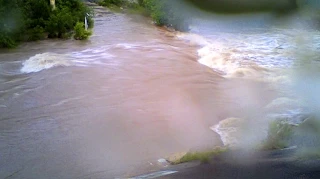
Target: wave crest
43, 61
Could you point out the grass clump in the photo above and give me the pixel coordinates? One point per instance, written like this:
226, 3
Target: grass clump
279, 134
204, 156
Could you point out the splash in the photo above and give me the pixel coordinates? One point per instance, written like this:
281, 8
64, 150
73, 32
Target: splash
92, 56
43, 61
193, 39
228, 130
268, 57
222, 58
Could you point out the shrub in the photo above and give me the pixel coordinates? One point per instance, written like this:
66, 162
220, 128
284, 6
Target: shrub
36, 12
65, 17
167, 13
36, 33
33, 19
163, 12
60, 22
80, 32
111, 2
141, 3
7, 41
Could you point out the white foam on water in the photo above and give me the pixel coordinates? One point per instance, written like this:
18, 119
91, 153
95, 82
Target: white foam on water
268, 57
193, 39
217, 58
242, 133
228, 131
234, 54
236, 57
249, 133
43, 61
84, 58
126, 45
282, 104
291, 110
221, 57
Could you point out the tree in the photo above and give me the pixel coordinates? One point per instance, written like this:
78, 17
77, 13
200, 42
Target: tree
53, 4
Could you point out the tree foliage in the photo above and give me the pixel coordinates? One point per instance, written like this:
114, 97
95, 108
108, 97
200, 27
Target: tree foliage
163, 12
11, 22
24, 20
111, 2
167, 13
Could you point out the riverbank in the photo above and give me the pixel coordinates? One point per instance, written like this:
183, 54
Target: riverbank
300, 160
277, 164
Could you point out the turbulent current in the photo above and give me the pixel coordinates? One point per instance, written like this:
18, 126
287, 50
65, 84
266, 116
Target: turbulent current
134, 93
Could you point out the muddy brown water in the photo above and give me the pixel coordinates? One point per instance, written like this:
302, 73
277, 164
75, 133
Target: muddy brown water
114, 105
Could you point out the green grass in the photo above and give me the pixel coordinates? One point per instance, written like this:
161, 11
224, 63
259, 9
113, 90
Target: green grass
278, 135
200, 156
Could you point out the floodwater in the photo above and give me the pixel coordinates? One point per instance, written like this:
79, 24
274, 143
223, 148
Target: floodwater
112, 106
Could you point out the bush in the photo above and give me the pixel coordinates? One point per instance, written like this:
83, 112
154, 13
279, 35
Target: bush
36, 12
66, 16
7, 41
163, 12
36, 33
11, 23
33, 19
60, 22
111, 2
80, 32
167, 13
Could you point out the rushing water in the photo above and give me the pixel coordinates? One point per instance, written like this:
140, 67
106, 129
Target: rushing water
111, 106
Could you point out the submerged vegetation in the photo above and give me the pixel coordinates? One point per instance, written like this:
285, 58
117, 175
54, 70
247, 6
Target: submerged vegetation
28, 20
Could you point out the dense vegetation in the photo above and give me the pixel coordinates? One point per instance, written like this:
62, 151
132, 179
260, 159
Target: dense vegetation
26, 20
163, 12
167, 13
